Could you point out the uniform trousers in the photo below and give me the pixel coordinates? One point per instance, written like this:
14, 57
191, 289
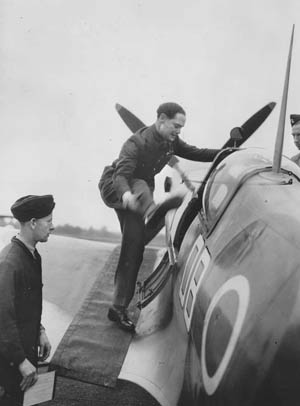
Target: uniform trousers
135, 235
13, 397
131, 256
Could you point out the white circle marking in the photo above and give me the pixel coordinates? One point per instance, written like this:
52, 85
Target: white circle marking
240, 285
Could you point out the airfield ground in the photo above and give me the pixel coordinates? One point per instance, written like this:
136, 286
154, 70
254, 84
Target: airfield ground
69, 276
74, 393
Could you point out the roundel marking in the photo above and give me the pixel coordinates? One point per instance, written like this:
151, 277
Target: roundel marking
240, 285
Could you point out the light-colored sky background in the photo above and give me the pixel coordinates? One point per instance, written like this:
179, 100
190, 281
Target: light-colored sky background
65, 63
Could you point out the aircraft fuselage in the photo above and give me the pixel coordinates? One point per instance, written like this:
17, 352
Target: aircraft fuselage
238, 286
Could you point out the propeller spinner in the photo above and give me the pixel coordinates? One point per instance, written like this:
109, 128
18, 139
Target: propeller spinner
250, 126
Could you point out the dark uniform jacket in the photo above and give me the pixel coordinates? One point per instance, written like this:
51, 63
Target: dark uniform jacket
20, 309
142, 156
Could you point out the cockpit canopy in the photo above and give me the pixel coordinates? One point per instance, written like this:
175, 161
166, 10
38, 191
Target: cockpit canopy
232, 172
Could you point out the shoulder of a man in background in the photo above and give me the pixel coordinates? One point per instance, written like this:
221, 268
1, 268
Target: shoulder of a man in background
296, 158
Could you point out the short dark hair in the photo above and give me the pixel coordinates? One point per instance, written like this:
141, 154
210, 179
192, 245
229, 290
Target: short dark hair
170, 109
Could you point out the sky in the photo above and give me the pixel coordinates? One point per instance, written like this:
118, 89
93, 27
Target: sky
65, 63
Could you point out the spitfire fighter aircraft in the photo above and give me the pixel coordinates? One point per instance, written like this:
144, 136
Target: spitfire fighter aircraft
220, 320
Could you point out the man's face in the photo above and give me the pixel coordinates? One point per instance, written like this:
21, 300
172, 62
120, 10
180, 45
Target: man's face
170, 128
42, 228
296, 136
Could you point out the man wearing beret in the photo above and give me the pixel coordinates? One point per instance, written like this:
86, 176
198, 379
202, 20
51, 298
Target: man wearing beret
23, 340
295, 123
127, 186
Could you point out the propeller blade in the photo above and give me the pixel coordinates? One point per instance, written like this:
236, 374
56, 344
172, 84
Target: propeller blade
132, 122
251, 125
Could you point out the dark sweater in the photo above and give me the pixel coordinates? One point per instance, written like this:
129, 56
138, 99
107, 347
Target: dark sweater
20, 306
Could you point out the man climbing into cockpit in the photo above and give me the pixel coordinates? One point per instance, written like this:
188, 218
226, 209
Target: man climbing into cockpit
127, 186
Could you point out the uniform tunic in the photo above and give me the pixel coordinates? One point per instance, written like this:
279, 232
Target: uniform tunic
143, 156
20, 309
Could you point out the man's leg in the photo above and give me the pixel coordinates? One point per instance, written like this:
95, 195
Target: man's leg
10, 379
12, 396
154, 214
131, 257
156, 220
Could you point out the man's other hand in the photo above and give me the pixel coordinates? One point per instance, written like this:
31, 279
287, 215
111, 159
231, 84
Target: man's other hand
44, 346
29, 374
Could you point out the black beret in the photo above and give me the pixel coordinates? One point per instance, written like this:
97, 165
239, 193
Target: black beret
31, 206
295, 118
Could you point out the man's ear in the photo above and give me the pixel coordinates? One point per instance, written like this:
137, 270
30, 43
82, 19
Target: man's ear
163, 117
33, 222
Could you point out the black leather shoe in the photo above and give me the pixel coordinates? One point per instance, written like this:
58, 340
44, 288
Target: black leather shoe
161, 210
121, 318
